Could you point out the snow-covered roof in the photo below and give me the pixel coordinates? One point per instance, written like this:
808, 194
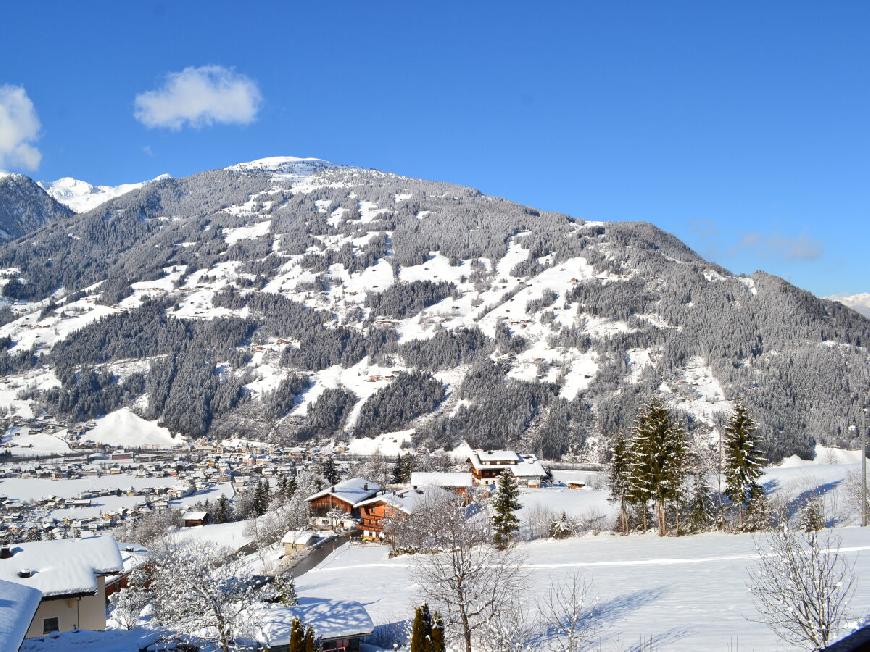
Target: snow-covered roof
528, 469
330, 619
423, 479
497, 457
405, 500
63, 566
299, 537
194, 516
350, 491
18, 603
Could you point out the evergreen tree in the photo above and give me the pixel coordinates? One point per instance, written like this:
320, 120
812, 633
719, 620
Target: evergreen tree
438, 643
812, 517
398, 470
561, 528
743, 461
291, 488
657, 464
297, 636
261, 497
758, 516
421, 629
330, 472
506, 502
701, 506
224, 510
309, 643
618, 478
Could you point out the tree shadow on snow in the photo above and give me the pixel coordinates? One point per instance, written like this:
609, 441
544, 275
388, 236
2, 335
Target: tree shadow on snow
659, 641
605, 613
800, 501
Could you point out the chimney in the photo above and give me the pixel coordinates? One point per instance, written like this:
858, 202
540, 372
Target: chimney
366, 486
26, 572
5, 552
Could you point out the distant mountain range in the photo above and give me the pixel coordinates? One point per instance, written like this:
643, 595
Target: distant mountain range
293, 299
81, 196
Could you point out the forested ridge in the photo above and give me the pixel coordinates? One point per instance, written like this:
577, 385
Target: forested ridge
340, 302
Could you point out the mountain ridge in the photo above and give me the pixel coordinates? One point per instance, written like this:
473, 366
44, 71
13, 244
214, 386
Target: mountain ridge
295, 299
25, 206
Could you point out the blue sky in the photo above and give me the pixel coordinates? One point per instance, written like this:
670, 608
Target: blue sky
740, 127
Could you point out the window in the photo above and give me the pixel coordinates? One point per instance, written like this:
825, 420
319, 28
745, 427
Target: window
50, 625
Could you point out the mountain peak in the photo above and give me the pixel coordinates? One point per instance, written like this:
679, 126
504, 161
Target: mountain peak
82, 196
283, 164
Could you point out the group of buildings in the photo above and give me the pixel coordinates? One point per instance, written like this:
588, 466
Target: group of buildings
63, 583
364, 506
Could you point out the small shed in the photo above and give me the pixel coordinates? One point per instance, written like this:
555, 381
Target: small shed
192, 519
296, 540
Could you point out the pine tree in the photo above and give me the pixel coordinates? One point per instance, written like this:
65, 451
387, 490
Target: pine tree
291, 488
812, 518
330, 472
758, 515
421, 630
743, 461
223, 513
701, 503
261, 497
308, 643
657, 460
398, 470
561, 528
437, 643
618, 478
506, 502
297, 636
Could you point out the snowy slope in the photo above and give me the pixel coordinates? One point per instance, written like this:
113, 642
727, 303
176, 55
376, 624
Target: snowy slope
123, 428
82, 196
687, 593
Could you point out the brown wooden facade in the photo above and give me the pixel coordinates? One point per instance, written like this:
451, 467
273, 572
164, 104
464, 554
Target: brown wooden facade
322, 505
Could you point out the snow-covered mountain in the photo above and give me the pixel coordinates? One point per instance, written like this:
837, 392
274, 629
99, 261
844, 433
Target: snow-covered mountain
858, 302
293, 299
24, 206
81, 196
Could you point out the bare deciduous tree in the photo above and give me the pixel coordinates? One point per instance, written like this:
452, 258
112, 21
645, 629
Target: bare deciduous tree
469, 580
566, 613
802, 586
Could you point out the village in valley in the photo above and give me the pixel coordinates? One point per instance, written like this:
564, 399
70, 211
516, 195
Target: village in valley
308, 532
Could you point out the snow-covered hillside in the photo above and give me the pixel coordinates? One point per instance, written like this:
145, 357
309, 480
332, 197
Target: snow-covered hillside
289, 298
81, 196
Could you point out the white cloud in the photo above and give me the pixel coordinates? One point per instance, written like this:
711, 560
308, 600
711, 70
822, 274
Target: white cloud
198, 97
19, 128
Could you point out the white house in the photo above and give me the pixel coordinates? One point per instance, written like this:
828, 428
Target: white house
70, 574
487, 465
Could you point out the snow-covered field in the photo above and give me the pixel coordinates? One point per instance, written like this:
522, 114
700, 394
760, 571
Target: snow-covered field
685, 593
